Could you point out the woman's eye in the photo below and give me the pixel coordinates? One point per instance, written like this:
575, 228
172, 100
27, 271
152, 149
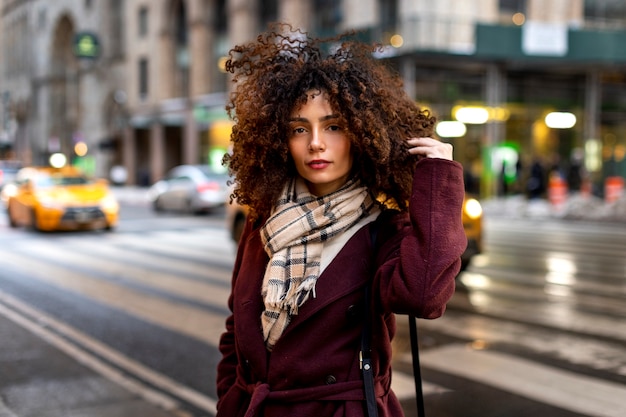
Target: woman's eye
334, 128
298, 130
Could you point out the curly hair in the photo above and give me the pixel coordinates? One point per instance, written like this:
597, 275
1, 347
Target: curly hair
272, 76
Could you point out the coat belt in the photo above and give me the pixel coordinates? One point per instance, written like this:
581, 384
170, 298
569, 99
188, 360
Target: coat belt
340, 391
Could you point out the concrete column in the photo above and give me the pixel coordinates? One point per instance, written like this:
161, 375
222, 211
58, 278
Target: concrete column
296, 12
129, 154
200, 51
243, 24
495, 86
157, 152
191, 147
591, 123
162, 85
408, 76
592, 105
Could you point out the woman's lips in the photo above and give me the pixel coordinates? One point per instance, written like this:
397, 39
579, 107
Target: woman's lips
318, 164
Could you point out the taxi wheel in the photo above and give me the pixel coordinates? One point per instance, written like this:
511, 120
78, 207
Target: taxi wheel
12, 221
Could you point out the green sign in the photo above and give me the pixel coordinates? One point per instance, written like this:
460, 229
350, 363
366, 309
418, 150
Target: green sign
86, 45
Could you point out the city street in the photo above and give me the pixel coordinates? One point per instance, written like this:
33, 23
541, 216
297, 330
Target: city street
133, 316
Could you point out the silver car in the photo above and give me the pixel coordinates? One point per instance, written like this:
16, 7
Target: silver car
190, 188
8, 170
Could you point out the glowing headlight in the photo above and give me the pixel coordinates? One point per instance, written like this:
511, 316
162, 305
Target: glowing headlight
473, 208
109, 203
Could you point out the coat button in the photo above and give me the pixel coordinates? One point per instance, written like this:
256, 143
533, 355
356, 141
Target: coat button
330, 379
353, 311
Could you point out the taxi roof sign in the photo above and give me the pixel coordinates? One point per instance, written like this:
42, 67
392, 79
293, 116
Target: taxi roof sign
86, 45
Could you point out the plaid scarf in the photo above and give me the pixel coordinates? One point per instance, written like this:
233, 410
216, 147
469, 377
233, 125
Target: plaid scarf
294, 237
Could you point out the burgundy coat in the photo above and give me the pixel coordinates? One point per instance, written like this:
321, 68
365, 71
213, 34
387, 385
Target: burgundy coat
314, 368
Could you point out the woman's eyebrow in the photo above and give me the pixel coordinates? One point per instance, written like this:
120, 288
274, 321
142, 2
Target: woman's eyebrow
321, 119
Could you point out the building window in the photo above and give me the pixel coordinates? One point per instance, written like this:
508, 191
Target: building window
512, 6
143, 78
116, 27
388, 16
143, 22
269, 12
328, 16
605, 14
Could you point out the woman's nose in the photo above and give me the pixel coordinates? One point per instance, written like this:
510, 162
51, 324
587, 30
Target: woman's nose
316, 143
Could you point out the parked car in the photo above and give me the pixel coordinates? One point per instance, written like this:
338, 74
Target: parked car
472, 223
8, 169
47, 199
190, 188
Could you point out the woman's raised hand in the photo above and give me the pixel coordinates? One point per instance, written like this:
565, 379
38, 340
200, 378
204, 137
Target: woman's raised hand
430, 148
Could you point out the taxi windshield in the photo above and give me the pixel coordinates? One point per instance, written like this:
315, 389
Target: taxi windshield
58, 180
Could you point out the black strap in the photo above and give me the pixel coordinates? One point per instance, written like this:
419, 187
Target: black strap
366, 352
366, 361
417, 373
366, 365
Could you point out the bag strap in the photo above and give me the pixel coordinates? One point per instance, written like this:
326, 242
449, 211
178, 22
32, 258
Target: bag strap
417, 373
365, 355
365, 359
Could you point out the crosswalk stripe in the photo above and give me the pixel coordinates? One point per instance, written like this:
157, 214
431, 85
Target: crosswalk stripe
548, 385
152, 262
174, 284
175, 316
584, 351
207, 243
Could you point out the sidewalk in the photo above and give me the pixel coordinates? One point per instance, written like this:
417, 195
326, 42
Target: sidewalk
575, 207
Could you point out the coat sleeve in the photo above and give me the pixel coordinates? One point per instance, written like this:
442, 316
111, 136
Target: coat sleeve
418, 254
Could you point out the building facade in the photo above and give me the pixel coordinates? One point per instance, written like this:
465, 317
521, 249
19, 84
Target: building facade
148, 92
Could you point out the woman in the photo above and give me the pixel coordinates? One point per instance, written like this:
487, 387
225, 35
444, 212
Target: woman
346, 190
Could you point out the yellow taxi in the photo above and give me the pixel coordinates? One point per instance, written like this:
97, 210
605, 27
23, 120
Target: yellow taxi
472, 223
49, 199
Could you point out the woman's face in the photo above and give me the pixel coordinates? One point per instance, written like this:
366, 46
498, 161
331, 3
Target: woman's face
319, 145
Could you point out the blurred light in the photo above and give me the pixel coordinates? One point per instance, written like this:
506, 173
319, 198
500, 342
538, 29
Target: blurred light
471, 115
221, 63
396, 41
80, 148
480, 260
505, 156
499, 114
475, 281
561, 269
560, 120
558, 290
479, 344
57, 160
451, 129
473, 208
593, 155
518, 19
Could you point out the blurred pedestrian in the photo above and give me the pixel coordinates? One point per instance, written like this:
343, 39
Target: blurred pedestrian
346, 190
536, 184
